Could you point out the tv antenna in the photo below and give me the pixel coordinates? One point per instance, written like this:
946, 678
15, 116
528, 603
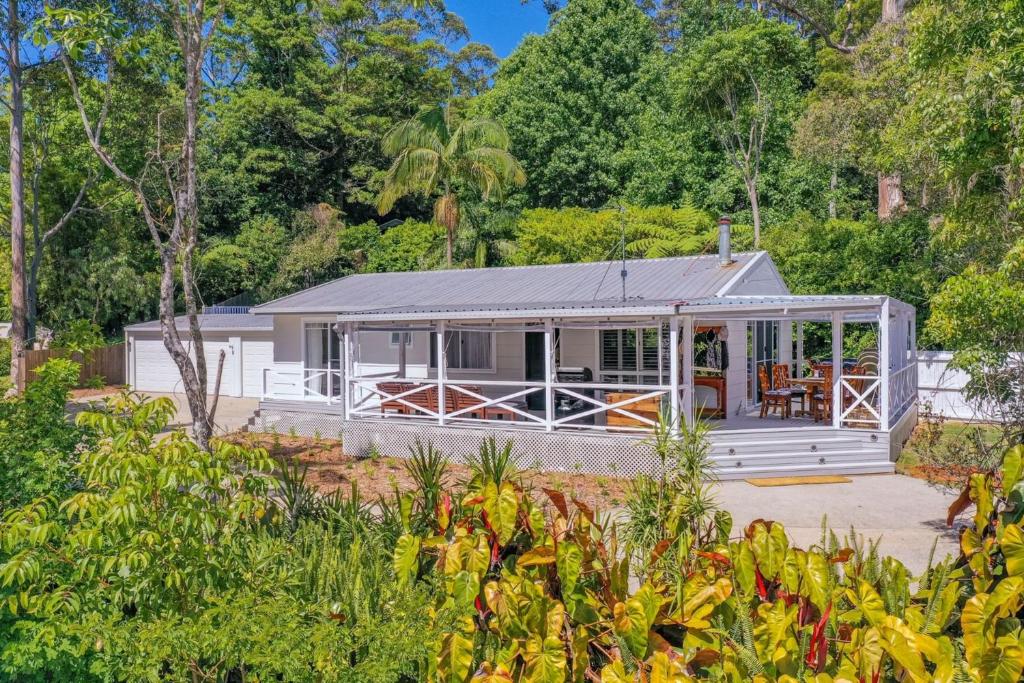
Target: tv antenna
622, 249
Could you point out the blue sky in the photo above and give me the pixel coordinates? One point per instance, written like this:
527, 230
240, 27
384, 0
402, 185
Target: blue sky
500, 23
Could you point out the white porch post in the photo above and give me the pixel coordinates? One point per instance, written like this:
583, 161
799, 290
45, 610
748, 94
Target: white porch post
884, 361
442, 362
401, 355
347, 385
837, 369
549, 393
673, 371
688, 388
798, 371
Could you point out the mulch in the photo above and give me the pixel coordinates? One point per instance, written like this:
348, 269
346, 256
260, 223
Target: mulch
328, 469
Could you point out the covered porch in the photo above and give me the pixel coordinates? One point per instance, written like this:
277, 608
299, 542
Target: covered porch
760, 363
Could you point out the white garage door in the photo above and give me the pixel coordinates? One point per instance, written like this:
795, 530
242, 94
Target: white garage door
155, 371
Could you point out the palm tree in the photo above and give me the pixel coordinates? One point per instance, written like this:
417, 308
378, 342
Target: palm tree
432, 155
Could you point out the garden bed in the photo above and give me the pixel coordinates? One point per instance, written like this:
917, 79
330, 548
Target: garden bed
946, 452
329, 469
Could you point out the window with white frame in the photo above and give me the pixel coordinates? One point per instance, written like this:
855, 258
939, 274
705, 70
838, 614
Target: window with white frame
396, 338
465, 350
634, 356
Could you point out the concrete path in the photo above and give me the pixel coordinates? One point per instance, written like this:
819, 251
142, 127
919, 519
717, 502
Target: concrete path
906, 514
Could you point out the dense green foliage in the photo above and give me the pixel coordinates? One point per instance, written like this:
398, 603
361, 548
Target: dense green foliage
165, 562
37, 443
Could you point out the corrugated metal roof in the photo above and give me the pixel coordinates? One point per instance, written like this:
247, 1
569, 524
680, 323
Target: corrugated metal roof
772, 300
591, 308
567, 285
617, 307
225, 322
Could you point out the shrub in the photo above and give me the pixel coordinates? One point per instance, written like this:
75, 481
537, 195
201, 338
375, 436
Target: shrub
173, 563
38, 444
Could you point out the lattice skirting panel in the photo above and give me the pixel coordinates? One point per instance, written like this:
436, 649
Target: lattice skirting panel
609, 454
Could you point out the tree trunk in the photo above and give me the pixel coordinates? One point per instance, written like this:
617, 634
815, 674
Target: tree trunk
755, 209
890, 195
16, 170
32, 293
833, 183
892, 10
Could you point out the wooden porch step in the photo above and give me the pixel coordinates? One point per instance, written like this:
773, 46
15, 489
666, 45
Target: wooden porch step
752, 469
821, 458
769, 444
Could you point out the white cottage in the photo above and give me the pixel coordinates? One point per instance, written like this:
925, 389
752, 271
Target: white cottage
575, 362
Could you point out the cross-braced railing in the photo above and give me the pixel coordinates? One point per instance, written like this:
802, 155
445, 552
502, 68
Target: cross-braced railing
322, 385
861, 406
902, 391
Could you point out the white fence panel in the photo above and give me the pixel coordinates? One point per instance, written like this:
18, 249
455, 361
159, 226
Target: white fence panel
940, 387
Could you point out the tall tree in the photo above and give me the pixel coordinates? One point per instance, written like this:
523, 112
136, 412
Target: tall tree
170, 208
12, 38
570, 100
433, 153
748, 83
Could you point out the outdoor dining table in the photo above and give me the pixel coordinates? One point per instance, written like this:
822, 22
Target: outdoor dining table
811, 384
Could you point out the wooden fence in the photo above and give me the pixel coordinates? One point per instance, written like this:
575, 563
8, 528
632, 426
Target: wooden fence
106, 362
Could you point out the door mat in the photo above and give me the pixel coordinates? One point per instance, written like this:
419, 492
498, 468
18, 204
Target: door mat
794, 481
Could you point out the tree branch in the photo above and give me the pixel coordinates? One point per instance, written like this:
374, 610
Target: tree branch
817, 26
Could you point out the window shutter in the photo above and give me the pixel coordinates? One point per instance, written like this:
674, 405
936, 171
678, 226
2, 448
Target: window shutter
610, 349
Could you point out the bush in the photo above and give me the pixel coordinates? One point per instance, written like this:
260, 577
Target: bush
176, 564
38, 445
80, 336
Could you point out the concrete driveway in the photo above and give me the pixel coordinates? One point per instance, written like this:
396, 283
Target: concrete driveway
232, 413
905, 513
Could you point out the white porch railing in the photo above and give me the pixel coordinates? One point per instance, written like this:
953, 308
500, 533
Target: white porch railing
861, 401
302, 384
902, 391
575, 405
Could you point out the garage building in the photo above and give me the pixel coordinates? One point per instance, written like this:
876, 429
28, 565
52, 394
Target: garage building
247, 341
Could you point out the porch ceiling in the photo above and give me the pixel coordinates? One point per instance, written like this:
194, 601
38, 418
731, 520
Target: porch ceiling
774, 307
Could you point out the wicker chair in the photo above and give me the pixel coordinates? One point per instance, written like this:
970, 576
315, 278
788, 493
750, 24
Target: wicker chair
776, 399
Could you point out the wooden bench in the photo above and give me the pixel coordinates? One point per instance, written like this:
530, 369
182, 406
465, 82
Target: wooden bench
425, 398
649, 408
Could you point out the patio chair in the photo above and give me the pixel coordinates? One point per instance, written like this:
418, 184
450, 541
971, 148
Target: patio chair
776, 399
455, 400
393, 389
780, 375
425, 399
821, 399
868, 360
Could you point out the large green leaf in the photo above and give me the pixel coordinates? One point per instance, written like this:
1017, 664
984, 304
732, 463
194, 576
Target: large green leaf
1013, 462
465, 588
406, 557
1002, 664
569, 563
501, 506
867, 603
1012, 545
545, 660
455, 659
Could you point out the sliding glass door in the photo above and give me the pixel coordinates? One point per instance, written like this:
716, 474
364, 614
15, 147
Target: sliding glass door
762, 351
322, 352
